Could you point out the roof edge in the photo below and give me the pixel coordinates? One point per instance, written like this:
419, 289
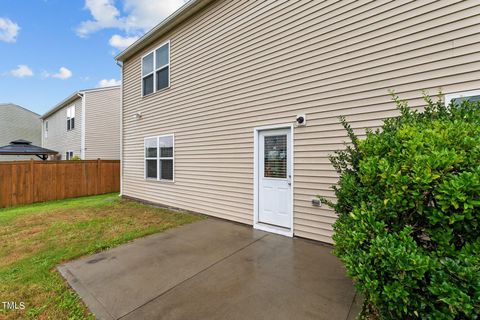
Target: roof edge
180, 15
60, 105
101, 88
16, 105
74, 97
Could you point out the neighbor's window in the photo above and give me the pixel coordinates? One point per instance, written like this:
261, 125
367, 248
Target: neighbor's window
70, 118
159, 158
156, 70
69, 155
460, 96
46, 129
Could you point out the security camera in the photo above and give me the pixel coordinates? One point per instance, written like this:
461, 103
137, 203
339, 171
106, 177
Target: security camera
301, 120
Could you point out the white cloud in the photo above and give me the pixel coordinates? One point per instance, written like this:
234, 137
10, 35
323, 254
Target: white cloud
134, 17
63, 74
8, 30
105, 15
120, 42
22, 71
145, 14
108, 83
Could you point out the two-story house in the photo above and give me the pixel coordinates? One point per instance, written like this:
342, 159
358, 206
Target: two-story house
85, 125
231, 108
17, 123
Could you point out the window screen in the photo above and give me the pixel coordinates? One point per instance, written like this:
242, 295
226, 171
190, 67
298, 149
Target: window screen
151, 150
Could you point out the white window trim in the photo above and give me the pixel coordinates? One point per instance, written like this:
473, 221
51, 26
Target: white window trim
155, 70
158, 158
450, 96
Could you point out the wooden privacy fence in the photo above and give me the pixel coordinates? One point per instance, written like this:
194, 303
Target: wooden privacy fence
23, 182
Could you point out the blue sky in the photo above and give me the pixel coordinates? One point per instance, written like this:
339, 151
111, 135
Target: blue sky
51, 48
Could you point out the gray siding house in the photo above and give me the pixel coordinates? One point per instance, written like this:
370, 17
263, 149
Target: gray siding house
213, 97
86, 125
19, 123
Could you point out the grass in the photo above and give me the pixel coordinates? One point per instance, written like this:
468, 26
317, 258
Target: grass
34, 239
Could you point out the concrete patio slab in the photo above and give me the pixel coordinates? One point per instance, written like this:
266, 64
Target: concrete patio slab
214, 269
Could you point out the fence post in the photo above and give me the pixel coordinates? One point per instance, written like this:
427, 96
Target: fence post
32, 181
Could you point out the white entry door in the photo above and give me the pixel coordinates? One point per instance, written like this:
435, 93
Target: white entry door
274, 178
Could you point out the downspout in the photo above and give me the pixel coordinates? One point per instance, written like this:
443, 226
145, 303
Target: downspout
43, 133
121, 126
82, 127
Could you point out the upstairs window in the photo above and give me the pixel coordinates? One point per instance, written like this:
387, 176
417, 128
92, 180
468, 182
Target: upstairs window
159, 158
156, 70
70, 118
46, 129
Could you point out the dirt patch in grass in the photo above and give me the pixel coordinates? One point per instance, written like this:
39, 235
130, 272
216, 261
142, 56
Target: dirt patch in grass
34, 242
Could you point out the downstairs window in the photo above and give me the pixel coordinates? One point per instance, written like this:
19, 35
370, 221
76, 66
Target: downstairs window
159, 158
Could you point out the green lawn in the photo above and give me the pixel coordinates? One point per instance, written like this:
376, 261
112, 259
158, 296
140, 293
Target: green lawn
34, 239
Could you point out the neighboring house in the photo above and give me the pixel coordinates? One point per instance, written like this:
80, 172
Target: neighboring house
85, 125
211, 98
18, 123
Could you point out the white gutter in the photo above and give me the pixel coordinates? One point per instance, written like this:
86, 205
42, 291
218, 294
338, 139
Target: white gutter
121, 127
82, 126
43, 132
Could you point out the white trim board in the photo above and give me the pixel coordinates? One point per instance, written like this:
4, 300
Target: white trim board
256, 224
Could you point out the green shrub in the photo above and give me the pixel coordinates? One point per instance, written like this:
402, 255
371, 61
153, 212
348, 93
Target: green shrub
408, 205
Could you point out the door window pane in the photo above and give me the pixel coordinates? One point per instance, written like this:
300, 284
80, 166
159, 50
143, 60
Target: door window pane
162, 56
275, 156
148, 85
147, 64
151, 171
166, 169
151, 148
162, 78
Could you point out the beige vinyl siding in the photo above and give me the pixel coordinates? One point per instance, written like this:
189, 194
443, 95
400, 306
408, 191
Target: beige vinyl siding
238, 65
59, 139
19, 123
102, 124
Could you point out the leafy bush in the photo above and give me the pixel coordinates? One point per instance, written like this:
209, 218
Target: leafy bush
75, 158
408, 204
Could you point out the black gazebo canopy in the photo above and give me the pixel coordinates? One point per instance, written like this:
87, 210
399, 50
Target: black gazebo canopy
24, 147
